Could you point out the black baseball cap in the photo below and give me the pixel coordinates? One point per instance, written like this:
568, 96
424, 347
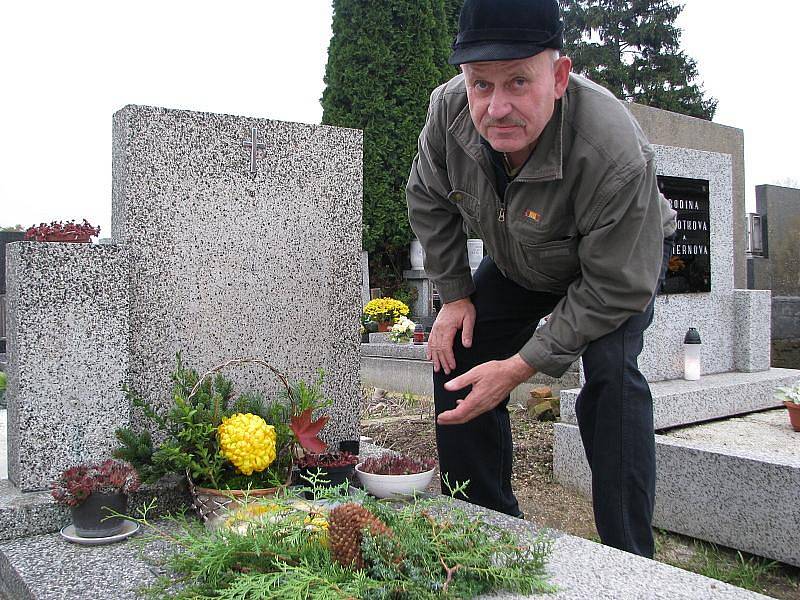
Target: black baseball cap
506, 30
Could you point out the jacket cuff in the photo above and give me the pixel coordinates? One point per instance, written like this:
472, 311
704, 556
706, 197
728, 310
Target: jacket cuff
540, 358
455, 289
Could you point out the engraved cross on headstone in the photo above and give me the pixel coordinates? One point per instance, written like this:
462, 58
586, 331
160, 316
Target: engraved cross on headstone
254, 145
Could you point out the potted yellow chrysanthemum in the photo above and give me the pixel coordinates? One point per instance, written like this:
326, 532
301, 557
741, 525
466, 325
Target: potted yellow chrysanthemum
385, 312
229, 446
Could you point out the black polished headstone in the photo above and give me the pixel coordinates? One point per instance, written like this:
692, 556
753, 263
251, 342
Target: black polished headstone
689, 269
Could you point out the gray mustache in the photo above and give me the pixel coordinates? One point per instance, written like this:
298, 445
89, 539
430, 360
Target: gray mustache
505, 122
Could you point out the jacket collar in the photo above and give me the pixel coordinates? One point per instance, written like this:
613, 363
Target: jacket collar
545, 164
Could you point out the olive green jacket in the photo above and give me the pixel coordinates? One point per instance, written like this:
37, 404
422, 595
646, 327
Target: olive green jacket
583, 218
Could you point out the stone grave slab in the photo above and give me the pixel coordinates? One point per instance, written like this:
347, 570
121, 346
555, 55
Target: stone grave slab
47, 568
733, 482
680, 402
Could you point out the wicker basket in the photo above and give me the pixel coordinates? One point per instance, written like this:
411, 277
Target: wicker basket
212, 503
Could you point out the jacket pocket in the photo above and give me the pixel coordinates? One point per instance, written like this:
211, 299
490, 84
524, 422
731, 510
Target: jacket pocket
470, 208
555, 264
468, 204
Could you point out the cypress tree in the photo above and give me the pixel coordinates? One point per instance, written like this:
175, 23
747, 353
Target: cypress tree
632, 47
384, 60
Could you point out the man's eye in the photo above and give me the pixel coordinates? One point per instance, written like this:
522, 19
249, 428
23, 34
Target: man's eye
481, 85
519, 82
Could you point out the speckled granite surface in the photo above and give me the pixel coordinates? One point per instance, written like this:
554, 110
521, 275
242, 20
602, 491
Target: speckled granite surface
68, 336
49, 568
753, 329
733, 482
227, 263
680, 402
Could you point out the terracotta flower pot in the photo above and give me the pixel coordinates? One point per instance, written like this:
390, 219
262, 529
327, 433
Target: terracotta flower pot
384, 326
794, 414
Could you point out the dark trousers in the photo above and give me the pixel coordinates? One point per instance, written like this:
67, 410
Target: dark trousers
614, 410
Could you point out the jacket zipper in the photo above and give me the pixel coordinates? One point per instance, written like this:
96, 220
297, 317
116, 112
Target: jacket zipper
501, 214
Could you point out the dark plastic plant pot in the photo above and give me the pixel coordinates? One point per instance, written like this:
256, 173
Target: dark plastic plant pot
351, 446
88, 515
334, 476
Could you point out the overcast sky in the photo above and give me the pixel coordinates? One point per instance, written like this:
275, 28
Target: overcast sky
68, 66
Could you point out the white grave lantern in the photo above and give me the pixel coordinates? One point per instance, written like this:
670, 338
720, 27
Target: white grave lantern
691, 355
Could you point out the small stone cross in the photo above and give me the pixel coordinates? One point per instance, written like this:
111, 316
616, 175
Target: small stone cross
254, 145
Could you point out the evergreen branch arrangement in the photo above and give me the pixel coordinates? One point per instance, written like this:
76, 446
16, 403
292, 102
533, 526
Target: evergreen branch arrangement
224, 441
285, 548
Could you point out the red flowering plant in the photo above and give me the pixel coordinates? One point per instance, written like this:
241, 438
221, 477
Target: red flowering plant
62, 232
77, 483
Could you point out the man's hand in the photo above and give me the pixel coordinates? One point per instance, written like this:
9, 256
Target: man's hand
491, 383
456, 315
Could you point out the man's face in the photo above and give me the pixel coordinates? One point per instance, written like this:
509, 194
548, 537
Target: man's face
511, 101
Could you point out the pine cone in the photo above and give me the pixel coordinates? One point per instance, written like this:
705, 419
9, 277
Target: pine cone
345, 524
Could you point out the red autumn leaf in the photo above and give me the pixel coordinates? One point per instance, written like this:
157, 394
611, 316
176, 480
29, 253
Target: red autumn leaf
307, 431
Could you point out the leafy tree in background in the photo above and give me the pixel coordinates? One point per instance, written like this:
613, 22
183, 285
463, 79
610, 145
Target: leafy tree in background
384, 60
632, 47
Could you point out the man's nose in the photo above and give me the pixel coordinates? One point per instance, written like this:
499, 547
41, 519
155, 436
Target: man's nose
499, 105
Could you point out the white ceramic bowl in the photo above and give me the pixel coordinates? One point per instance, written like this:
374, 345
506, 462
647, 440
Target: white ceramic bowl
394, 486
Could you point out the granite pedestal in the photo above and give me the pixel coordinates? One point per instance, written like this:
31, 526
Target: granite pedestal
68, 326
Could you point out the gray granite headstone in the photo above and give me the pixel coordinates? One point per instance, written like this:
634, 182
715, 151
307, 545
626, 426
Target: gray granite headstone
715, 313
227, 262
68, 357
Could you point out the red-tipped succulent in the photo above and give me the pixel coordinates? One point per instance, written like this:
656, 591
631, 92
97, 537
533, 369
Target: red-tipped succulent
396, 464
77, 483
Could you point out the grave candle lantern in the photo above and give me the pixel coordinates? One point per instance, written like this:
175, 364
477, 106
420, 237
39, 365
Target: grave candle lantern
691, 355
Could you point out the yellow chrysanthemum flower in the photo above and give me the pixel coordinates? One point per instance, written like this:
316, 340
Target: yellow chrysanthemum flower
248, 442
385, 309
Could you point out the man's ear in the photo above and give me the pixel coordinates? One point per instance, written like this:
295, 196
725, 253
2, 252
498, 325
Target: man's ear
561, 70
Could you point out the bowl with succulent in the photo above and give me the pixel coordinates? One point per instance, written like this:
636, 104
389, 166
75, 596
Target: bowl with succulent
393, 475
94, 493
